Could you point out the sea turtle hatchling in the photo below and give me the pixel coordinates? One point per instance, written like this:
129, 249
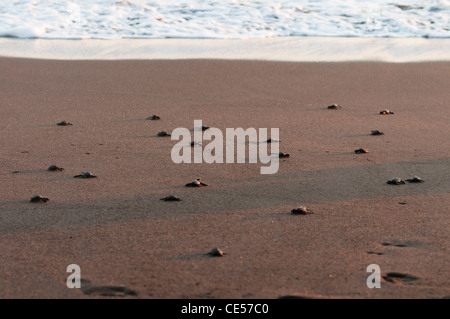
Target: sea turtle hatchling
53, 168
153, 117
334, 107
171, 198
415, 179
196, 183
215, 252
282, 154
396, 181
194, 143
376, 132
163, 133
302, 210
361, 150
386, 112
85, 175
39, 199
64, 123
270, 140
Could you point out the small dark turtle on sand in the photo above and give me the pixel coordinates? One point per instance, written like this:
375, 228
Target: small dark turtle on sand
396, 181
376, 132
282, 154
196, 183
302, 210
194, 143
63, 123
85, 175
171, 198
361, 150
163, 133
270, 140
153, 117
53, 168
39, 199
415, 179
334, 107
216, 252
386, 112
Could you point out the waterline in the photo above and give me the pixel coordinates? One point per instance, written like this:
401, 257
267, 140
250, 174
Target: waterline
292, 49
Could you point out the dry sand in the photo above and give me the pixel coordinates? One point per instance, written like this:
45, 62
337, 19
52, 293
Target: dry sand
121, 235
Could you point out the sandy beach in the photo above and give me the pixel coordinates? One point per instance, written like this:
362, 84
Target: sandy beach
130, 244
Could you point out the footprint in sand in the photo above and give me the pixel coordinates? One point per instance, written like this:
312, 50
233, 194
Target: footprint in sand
399, 278
105, 291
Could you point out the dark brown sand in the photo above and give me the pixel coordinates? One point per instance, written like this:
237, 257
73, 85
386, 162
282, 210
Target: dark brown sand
121, 235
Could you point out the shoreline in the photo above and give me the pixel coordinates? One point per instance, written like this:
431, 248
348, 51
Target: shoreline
289, 49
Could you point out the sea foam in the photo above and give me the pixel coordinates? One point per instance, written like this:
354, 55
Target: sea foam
118, 19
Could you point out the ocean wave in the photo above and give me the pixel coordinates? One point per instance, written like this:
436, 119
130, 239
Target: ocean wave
119, 19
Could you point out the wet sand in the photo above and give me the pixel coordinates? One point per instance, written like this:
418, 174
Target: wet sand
121, 235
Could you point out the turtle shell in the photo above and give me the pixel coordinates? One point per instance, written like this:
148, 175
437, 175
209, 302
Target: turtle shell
271, 140
63, 123
386, 112
53, 168
194, 143
163, 133
153, 117
85, 175
415, 179
196, 183
171, 198
282, 154
302, 210
376, 132
396, 181
216, 252
39, 199
334, 107
361, 150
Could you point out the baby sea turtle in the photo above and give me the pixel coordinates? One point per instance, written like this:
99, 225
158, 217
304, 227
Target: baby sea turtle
196, 183
282, 154
385, 112
361, 150
171, 198
85, 175
396, 181
39, 199
270, 140
302, 210
163, 133
415, 179
216, 252
153, 117
334, 107
63, 123
376, 132
53, 168
194, 143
